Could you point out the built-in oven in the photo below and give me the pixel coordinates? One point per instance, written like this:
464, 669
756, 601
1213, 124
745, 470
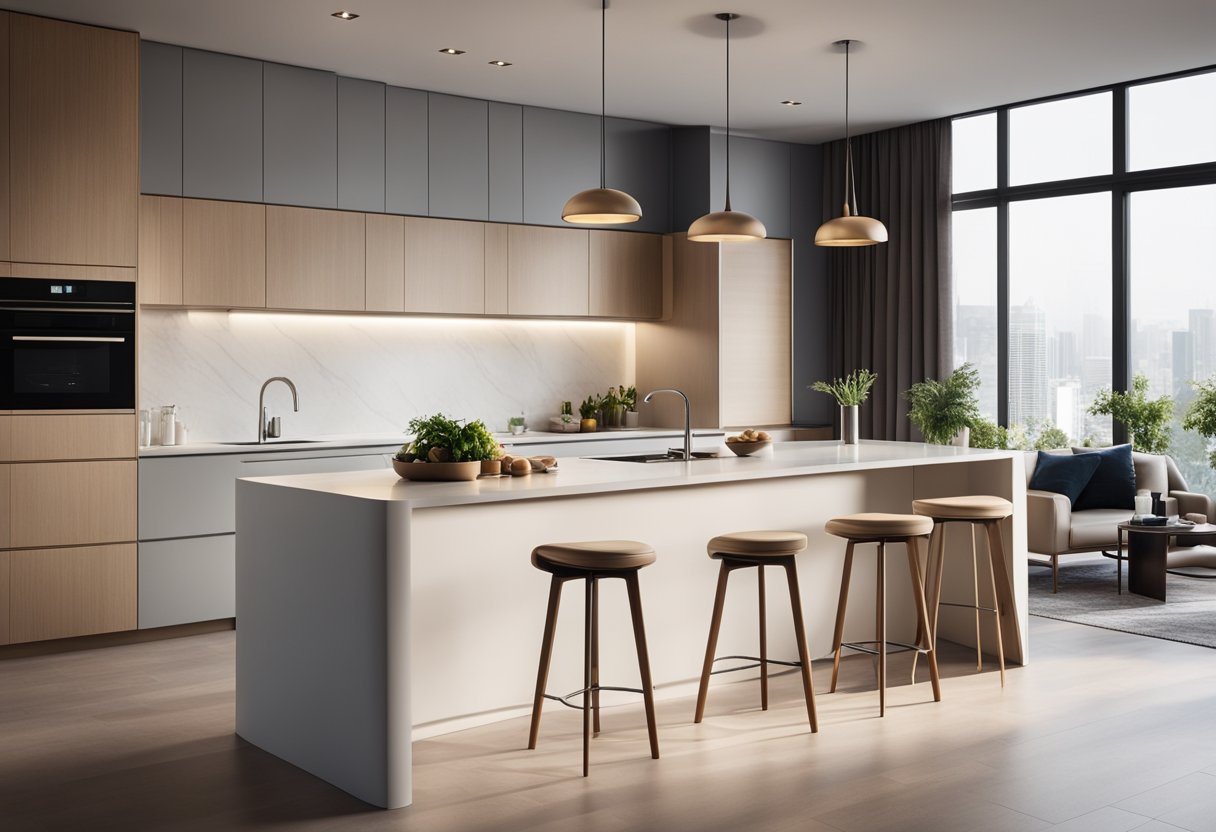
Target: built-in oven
66, 344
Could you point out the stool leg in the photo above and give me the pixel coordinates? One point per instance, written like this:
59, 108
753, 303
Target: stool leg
838, 637
763, 640
595, 657
715, 623
932, 568
1001, 598
590, 615
804, 654
639, 637
918, 591
546, 653
880, 627
975, 580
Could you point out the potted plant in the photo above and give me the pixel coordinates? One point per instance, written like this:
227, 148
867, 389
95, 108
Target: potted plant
587, 410
565, 422
1201, 415
944, 410
850, 392
629, 398
611, 410
446, 449
988, 434
1147, 420
517, 424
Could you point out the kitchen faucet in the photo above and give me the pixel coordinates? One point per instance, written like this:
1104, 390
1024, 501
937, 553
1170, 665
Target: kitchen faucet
271, 428
687, 417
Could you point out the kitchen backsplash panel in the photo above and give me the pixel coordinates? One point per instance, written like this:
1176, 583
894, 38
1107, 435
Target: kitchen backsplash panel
370, 374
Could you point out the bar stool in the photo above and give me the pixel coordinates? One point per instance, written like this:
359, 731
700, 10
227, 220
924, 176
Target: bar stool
975, 511
882, 529
590, 561
746, 550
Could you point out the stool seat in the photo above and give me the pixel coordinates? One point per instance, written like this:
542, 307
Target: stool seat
979, 507
594, 555
758, 544
872, 525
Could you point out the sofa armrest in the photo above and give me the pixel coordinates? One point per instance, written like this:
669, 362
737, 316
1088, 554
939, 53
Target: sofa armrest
1191, 503
1048, 522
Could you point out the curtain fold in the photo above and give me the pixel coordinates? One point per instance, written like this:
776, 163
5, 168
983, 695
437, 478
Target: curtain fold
890, 304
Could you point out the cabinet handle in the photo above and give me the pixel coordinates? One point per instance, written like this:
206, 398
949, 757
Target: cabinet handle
70, 339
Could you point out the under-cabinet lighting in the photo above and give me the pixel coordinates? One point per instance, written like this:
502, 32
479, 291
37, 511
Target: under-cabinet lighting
398, 321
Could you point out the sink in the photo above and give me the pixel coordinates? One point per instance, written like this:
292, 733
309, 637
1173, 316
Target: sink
667, 457
274, 442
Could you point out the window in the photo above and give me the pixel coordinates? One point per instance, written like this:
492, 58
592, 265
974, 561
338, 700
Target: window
1172, 122
975, 318
973, 143
1063, 139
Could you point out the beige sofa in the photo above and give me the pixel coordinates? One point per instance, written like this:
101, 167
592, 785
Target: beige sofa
1054, 529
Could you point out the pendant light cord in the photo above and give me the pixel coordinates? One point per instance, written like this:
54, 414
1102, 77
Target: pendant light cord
850, 181
727, 113
603, 93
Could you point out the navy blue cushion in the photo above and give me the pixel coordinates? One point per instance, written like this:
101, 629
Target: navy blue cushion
1114, 483
1062, 474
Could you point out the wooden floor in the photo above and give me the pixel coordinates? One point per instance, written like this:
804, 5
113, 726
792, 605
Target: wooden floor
1104, 731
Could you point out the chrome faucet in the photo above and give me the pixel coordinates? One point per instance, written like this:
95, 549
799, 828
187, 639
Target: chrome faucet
687, 417
271, 428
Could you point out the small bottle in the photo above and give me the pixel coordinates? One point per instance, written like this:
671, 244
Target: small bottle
168, 424
180, 433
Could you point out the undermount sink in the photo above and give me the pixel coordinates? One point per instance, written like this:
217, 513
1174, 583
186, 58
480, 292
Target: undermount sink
274, 442
667, 457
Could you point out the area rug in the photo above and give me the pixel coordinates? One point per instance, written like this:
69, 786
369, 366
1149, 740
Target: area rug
1088, 596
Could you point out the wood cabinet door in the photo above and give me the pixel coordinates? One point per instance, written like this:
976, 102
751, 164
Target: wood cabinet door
73, 143
385, 263
445, 266
72, 503
5, 520
547, 271
626, 275
223, 254
59, 593
160, 250
71, 436
315, 259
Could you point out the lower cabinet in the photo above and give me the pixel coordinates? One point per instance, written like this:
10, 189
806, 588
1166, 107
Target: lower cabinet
58, 593
4, 597
193, 579
72, 503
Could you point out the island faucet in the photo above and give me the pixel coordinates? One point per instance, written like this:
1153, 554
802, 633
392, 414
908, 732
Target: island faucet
687, 417
269, 428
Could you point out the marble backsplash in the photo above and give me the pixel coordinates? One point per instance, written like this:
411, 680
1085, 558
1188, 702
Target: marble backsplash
369, 374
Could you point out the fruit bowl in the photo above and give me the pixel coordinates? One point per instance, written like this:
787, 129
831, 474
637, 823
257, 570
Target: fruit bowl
748, 448
433, 471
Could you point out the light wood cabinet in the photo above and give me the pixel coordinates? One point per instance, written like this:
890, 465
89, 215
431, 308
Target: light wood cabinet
58, 271
314, 259
72, 503
385, 263
73, 143
548, 271
4, 597
59, 593
223, 254
6, 438
160, 250
445, 266
5, 496
75, 436
497, 263
626, 275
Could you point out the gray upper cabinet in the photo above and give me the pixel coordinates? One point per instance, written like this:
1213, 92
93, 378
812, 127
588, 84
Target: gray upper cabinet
561, 158
506, 162
638, 163
759, 179
458, 160
360, 145
405, 151
160, 119
221, 126
301, 136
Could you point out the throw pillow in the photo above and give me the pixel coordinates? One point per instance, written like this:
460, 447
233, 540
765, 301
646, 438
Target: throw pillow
1067, 475
1114, 483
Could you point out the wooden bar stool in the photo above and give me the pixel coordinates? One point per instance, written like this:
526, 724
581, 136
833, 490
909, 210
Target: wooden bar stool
975, 511
882, 529
746, 550
590, 561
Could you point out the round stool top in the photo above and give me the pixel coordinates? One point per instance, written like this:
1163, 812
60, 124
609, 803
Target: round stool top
594, 555
870, 525
757, 544
979, 507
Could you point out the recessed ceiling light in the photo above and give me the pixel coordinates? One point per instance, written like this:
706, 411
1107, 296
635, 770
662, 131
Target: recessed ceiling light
447, 50
790, 103
500, 63
344, 15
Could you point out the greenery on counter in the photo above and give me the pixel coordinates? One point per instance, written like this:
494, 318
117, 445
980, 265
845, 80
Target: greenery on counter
849, 391
940, 409
440, 439
1147, 420
590, 407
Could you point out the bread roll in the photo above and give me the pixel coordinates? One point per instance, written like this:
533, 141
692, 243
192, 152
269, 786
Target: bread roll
521, 467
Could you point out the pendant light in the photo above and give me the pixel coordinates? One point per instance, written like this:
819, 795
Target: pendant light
727, 226
602, 205
850, 228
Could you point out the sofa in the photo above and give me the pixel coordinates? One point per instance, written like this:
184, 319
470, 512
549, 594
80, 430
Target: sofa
1053, 529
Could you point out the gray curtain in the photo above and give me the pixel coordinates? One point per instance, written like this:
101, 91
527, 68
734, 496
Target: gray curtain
889, 305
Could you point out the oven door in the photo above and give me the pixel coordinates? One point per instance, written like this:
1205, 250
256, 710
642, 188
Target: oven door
67, 360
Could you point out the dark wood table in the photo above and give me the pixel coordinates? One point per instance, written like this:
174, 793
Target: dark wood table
1148, 548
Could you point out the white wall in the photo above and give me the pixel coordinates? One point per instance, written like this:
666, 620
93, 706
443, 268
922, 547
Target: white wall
369, 374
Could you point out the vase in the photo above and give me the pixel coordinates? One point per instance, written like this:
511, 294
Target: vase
962, 439
631, 418
849, 424
586, 426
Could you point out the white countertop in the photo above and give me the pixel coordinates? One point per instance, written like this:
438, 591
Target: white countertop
590, 476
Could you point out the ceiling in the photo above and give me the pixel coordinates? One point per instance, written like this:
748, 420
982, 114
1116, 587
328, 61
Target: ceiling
918, 59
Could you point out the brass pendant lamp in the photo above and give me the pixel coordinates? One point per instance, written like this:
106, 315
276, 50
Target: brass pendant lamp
602, 205
727, 226
849, 229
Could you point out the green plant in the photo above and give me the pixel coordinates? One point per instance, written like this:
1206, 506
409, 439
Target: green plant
629, 397
449, 440
940, 409
1040, 435
849, 391
1147, 420
988, 434
589, 407
567, 409
1201, 415
516, 421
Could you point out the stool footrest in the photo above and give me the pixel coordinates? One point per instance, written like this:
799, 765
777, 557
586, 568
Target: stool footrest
899, 647
965, 606
591, 689
757, 663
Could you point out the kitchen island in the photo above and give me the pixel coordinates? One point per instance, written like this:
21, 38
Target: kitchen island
372, 611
